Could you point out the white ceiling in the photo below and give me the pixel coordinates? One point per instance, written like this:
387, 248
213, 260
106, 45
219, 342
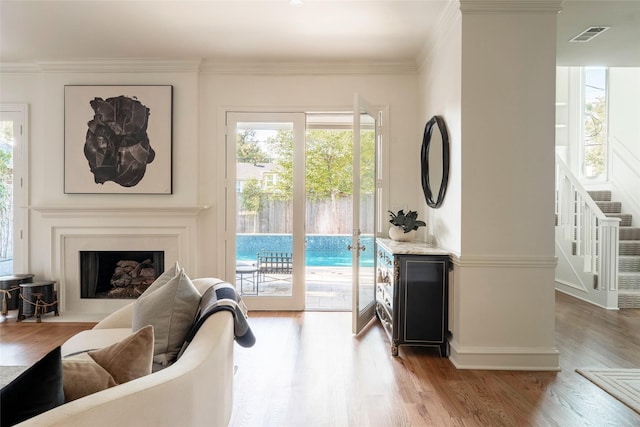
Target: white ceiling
274, 30
618, 46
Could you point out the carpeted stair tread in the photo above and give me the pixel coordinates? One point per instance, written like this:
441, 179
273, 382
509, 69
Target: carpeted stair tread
625, 219
631, 292
610, 207
629, 263
624, 233
600, 196
629, 247
626, 248
629, 299
629, 233
629, 281
628, 251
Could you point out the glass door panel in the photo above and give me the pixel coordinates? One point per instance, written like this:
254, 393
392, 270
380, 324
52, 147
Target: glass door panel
12, 189
7, 142
364, 218
263, 204
329, 192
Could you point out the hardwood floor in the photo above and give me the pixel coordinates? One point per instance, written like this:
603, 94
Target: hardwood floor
307, 369
24, 343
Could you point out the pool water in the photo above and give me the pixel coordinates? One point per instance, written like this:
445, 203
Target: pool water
321, 251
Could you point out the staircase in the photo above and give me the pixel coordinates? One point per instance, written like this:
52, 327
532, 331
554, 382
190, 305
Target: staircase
629, 251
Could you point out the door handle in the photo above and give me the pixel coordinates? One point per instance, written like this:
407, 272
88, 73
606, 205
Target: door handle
360, 248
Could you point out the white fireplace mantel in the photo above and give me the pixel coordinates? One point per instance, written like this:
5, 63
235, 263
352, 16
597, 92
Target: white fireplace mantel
72, 210
67, 230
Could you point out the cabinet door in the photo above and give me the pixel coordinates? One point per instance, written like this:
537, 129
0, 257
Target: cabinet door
423, 299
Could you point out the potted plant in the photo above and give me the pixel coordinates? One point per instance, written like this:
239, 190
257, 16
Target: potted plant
404, 225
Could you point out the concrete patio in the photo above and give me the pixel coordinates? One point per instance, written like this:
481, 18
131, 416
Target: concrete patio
327, 288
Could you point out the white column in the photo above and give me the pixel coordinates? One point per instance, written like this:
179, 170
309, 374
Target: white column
503, 294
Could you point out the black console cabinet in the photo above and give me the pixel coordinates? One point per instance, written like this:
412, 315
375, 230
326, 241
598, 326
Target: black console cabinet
412, 290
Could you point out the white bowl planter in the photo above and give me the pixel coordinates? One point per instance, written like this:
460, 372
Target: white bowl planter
397, 233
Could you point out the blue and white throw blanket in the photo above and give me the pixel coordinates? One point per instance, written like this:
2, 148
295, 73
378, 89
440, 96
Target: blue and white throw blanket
223, 296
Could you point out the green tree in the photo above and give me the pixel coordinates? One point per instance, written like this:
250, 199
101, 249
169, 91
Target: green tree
282, 154
251, 199
329, 167
329, 163
247, 148
368, 162
251, 196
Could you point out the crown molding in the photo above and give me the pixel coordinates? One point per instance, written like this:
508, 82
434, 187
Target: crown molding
442, 30
123, 65
307, 68
19, 68
117, 65
510, 6
95, 66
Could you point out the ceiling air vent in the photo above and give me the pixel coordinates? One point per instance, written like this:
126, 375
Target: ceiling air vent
589, 34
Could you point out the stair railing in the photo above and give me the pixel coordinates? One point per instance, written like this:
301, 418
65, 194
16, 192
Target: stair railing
596, 236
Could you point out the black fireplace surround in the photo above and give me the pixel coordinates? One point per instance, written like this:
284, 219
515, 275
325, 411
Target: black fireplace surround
118, 274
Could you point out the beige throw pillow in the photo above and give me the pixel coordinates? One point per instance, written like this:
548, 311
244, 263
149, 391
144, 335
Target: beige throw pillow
98, 370
171, 309
129, 359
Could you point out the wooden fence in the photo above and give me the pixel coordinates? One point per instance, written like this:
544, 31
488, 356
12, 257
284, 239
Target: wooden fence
322, 217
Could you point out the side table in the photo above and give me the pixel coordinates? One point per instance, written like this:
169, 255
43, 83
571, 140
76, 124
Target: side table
247, 270
10, 289
37, 298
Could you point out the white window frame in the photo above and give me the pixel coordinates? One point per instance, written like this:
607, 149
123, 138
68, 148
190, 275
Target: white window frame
19, 113
603, 177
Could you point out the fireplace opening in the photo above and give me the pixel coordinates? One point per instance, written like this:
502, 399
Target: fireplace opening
118, 274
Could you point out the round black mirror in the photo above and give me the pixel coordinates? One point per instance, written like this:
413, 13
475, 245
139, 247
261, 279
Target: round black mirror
435, 161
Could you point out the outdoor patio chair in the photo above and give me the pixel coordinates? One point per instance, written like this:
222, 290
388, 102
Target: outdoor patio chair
272, 263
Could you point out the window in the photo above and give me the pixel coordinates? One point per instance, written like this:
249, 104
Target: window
594, 131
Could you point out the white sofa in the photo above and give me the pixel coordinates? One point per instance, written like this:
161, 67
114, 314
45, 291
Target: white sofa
194, 391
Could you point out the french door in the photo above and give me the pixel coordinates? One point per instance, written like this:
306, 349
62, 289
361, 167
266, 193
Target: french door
366, 140
268, 162
265, 199
13, 174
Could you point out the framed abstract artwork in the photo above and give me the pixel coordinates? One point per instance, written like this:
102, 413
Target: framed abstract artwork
118, 139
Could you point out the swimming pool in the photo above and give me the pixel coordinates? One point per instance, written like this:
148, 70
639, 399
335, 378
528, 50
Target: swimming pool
322, 250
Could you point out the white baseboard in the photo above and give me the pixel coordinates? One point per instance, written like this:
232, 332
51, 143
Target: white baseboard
505, 358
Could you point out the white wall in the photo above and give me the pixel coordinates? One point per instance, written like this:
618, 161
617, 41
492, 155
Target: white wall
508, 132
440, 94
624, 138
201, 96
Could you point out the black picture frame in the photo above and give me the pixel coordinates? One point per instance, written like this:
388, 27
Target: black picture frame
118, 139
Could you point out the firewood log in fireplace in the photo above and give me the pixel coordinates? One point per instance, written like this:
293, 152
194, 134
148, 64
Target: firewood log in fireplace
131, 278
